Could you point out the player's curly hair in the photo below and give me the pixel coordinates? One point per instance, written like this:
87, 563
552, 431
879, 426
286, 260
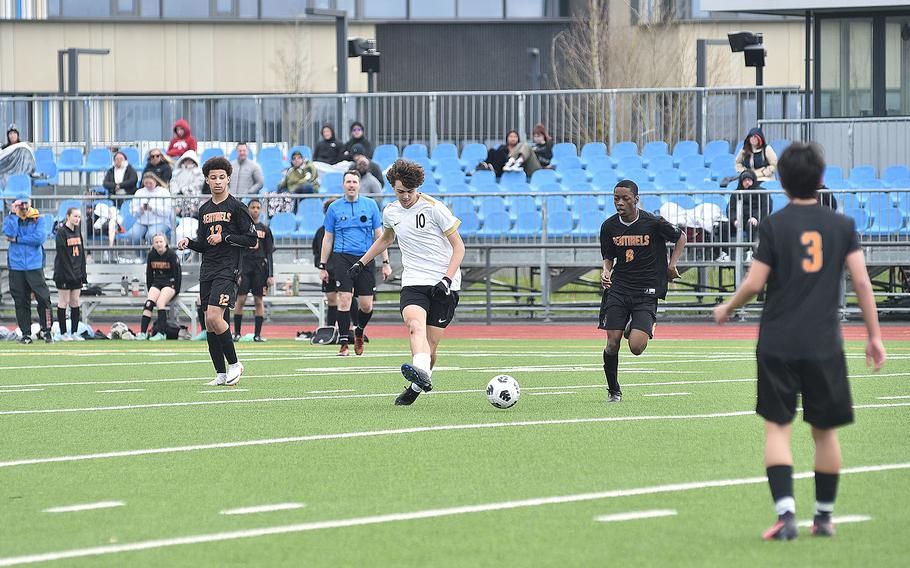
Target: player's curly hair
217, 163
628, 184
409, 173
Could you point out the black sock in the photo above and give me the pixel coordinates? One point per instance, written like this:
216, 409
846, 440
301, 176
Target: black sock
75, 318
611, 370
259, 320
238, 323
227, 317
825, 492
200, 315
332, 316
364, 319
216, 352
227, 347
144, 323
344, 326
355, 311
162, 320
780, 479
61, 319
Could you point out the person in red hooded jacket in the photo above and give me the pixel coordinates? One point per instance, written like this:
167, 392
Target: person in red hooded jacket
182, 141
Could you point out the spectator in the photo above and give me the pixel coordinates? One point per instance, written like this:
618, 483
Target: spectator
121, 179
187, 182
498, 156
826, 198
152, 207
369, 183
69, 272
357, 143
182, 141
755, 207
521, 157
12, 137
16, 157
26, 230
757, 156
247, 177
328, 150
300, 177
543, 145
158, 165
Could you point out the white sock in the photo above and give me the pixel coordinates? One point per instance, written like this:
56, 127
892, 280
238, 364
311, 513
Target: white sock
422, 361
221, 376
785, 505
823, 508
234, 365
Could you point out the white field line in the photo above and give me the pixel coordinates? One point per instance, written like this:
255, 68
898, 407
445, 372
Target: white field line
635, 515
667, 394
391, 432
414, 515
262, 509
552, 393
331, 391
226, 389
122, 390
85, 507
143, 381
840, 520
893, 397
136, 363
7, 389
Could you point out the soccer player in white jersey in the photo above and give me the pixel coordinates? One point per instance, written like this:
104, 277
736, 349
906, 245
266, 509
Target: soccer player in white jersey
431, 254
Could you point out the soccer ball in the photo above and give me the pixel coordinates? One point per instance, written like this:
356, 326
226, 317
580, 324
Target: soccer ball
503, 391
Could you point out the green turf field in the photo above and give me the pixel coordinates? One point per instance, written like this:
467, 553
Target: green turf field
450, 481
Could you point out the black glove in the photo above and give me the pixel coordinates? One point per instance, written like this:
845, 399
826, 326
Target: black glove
355, 269
441, 289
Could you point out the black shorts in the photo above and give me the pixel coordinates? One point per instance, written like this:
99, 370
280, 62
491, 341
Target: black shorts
823, 383
329, 286
616, 307
365, 282
162, 284
440, 311
221, 292
67, 284
254, 281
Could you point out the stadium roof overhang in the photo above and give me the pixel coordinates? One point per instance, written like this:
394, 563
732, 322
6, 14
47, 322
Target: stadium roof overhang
800, 7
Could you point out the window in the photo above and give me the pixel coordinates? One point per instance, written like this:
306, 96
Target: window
845, 67
150, 9
122, 8
524, 8
385, 9
84, 9
897, 66
185, 9
223, 7
348, 6
480, 9
283, 9
422, 10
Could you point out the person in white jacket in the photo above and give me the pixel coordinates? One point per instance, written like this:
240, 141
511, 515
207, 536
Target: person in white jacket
152, 206
186, 185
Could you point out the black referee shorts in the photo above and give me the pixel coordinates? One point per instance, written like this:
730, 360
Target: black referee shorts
440, 311
365, 282
253, 280
822, 382
221, 292
616, 308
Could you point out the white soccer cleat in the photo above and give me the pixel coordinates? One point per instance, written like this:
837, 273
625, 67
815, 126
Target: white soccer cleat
218, 381
234, 373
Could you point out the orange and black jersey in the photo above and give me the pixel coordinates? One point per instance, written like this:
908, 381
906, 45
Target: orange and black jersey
261, 256
232, 221
806, 247
69, 262
163, 269
639, 253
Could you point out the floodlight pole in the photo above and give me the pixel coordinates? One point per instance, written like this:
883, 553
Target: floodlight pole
701, 81
341, 52
760, 93
72, 89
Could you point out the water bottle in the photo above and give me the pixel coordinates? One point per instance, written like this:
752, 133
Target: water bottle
124, 286
135, 287
287, 287
296, 281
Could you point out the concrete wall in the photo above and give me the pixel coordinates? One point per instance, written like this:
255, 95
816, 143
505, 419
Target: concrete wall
172, 57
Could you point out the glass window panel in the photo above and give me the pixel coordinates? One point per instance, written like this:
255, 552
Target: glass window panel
53, 8
385, 9
126, 6
485, 9
897, 66
280, 9
185, 8
421, 10
524, 8
248, 8
149, 8
846, 67
85, 8
348, 6
224, 7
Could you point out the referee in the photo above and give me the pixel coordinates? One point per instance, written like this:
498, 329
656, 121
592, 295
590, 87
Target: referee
352, 224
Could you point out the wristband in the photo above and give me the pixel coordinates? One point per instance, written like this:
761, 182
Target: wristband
320, 266
385, 262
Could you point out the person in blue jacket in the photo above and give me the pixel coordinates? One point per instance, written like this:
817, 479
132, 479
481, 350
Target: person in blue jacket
26, 230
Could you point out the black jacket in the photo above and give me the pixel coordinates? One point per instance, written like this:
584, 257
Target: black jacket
162, 170
328, 151
163, 268
127, 186
69, 262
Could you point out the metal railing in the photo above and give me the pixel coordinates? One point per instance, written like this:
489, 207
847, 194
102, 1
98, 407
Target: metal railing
580, 116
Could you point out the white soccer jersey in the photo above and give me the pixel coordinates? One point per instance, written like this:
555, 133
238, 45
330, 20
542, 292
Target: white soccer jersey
423, 231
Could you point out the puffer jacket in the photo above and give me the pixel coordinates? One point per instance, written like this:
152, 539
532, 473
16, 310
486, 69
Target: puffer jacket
27, 253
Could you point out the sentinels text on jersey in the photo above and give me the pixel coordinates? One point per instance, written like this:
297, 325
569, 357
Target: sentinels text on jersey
228, 218
640, 252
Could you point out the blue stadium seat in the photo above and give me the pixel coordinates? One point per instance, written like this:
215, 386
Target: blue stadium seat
415, 151
623, 149
472, 154
65, 206
486, 187
596, 163
659, 163
424, 163
697, 175
583, 205
489, 205
308, 225
666, 177
470, 224
70, 160
271, 155
495, 226
588, 225
567, 162
520, 204
451, 178
691, 161
445, 150
875, 202
654, 149
628, 163
869, 184
723, 165
45, 155
18, 185
49, 169
481, 177
593, 151
132, 156
460, 204
833, 172
886, 222
779, 201
307, 208
564, 149
447, 165
529, 224
903, 202
638, 175
673, 186
331, 182
559, 224
128, 219
719, 200
429, 186
304, 150
543, 177
385, 154
684, 148
458, 188
861, 174
773, 184
518, 187
649, 203
271, 181
684, 201
555, 203
779, 146
604, 180
715, 147
860, 219
848, 203
98, 160
647, 187
573, 177
509, 178
282, 225
837, 183
893, 174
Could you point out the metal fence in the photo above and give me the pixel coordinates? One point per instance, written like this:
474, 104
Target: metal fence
580, 116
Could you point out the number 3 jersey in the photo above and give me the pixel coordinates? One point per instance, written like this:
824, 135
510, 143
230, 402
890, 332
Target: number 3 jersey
639, 253
232, 221
806, 247
423, 232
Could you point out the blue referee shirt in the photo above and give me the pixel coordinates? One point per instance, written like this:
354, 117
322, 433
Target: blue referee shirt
353, 223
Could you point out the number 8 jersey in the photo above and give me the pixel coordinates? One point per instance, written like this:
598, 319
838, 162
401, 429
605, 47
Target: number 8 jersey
423, 230
806, 247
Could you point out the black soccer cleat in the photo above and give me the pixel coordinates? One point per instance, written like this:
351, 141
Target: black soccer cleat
25, 340
417, 376
614, 397
236, 337
258, 339
407, 397
823, 525
784, 529
48, 338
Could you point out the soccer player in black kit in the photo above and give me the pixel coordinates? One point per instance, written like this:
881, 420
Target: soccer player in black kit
69, 272
635, 274
802, 251
162, 280
225, 232
257, 275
